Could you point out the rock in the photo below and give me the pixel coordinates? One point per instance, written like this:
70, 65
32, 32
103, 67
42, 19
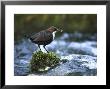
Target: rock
76, 65
43, 61
63, 47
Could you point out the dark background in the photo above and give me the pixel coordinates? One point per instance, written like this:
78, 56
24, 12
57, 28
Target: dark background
26, 24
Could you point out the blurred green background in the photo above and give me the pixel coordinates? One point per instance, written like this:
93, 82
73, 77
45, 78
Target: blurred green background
25, 24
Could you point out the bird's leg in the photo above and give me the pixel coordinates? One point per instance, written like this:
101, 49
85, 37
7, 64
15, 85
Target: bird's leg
39, 47
45, 48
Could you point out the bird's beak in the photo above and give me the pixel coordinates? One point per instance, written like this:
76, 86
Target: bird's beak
60, 30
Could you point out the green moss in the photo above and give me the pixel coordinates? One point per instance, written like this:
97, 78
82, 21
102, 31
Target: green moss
42, 61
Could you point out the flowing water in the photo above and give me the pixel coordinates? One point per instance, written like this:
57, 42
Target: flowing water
81, 56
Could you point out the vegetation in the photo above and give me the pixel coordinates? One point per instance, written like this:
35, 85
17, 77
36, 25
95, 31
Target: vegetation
41, 61
31, 23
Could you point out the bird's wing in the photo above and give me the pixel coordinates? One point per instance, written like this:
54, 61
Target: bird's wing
32, 37
41, 36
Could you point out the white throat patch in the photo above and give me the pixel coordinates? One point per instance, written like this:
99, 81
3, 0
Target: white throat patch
54, 34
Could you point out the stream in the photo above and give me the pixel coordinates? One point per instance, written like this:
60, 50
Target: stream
81, 56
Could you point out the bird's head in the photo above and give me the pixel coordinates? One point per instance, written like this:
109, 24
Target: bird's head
54, 29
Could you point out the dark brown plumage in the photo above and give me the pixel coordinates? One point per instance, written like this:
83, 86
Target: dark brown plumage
44, 37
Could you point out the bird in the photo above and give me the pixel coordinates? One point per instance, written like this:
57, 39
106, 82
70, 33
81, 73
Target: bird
44, 37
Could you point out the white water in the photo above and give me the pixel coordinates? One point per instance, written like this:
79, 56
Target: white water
72, 51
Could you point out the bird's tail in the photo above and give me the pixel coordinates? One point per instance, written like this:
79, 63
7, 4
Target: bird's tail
28, 36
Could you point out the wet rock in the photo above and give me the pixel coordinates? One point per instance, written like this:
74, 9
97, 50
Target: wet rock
78, 65
24, 49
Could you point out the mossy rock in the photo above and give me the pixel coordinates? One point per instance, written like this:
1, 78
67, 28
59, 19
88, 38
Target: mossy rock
43, 61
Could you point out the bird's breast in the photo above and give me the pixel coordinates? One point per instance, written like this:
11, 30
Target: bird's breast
53, 34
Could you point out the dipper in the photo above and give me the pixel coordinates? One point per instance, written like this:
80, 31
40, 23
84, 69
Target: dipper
44, 37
